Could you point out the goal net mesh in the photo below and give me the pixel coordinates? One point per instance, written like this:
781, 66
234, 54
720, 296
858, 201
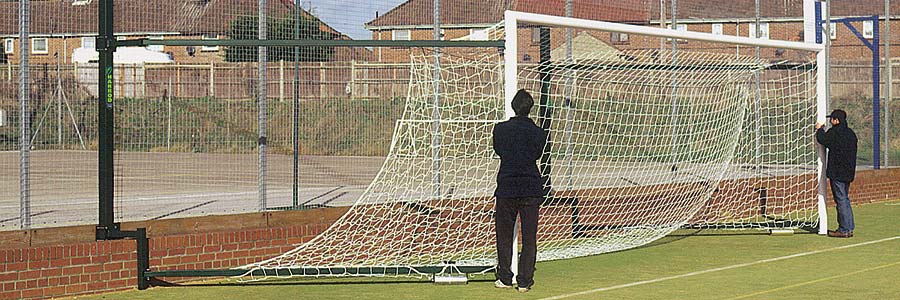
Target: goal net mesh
641, 143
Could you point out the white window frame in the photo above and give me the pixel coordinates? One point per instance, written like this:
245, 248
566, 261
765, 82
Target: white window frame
395, 36
158, 48
93, 42
764, 27
678, 27
717, 28
9, 46
832, 30
868, 29
535, 35
34, 43
477, 34
619, 38
208, 36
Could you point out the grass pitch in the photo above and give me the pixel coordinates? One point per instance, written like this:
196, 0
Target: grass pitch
684, 265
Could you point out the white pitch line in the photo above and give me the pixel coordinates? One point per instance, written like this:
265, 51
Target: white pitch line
717, 269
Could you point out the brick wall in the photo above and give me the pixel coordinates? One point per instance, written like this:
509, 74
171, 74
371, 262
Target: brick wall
57, 262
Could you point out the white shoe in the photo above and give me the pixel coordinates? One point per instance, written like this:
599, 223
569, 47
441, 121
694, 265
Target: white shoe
500, 285
523, 289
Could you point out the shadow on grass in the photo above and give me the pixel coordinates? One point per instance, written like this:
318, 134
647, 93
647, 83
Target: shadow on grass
682, 234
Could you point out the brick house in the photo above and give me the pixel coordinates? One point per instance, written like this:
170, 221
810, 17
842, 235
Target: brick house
60, 27
782, 20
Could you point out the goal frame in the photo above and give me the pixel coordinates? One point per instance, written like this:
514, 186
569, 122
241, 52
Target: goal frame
512, 19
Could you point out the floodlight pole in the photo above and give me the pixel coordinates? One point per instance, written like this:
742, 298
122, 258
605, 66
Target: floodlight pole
107, 228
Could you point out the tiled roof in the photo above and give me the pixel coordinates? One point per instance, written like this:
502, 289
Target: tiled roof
459, 12
140, 16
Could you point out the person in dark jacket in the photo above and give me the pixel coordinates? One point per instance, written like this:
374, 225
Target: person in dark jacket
519, 143
840, 141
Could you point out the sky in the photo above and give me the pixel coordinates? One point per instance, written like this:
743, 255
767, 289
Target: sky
349, 16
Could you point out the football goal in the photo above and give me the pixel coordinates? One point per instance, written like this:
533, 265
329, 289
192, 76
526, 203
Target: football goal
678, 130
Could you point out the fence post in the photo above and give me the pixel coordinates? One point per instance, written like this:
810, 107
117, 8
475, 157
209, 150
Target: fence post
352, 90
321, 80
281, 80
144, 80
177, 80
212, 79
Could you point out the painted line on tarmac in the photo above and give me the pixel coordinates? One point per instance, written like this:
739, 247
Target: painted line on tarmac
32, 215
816, 281
661, 279
183, 210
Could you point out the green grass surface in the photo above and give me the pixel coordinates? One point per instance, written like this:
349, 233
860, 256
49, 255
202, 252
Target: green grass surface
702, 265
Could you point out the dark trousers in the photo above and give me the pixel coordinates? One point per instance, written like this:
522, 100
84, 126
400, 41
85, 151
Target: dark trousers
840, 191
505, 221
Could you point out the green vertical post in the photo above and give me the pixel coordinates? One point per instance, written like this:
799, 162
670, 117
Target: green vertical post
545, 110
106, 47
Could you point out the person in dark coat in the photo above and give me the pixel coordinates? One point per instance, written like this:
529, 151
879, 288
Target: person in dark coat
840, 141
519, 143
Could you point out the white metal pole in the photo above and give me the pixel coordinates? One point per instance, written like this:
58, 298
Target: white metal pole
510, 85
510, 57
647, 31
810, 24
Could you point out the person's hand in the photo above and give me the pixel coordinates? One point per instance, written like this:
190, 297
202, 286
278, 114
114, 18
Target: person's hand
819, 125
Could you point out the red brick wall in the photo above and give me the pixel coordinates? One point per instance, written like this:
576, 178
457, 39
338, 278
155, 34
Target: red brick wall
45, 271
65, 261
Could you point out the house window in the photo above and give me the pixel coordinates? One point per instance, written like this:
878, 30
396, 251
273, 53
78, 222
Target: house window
868, 29
400, 35
8, 46
158, 48
832, 31
618, 38
535, 35
88, 42
717, 28
763, 31
39, 46
211, 37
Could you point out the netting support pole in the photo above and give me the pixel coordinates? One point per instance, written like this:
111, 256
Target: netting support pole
24, 118
106, 170
261, 93
812, 26
107, 228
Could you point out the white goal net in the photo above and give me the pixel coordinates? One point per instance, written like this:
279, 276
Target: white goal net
642, 142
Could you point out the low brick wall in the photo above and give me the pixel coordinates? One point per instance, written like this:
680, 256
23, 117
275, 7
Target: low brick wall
66, 261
